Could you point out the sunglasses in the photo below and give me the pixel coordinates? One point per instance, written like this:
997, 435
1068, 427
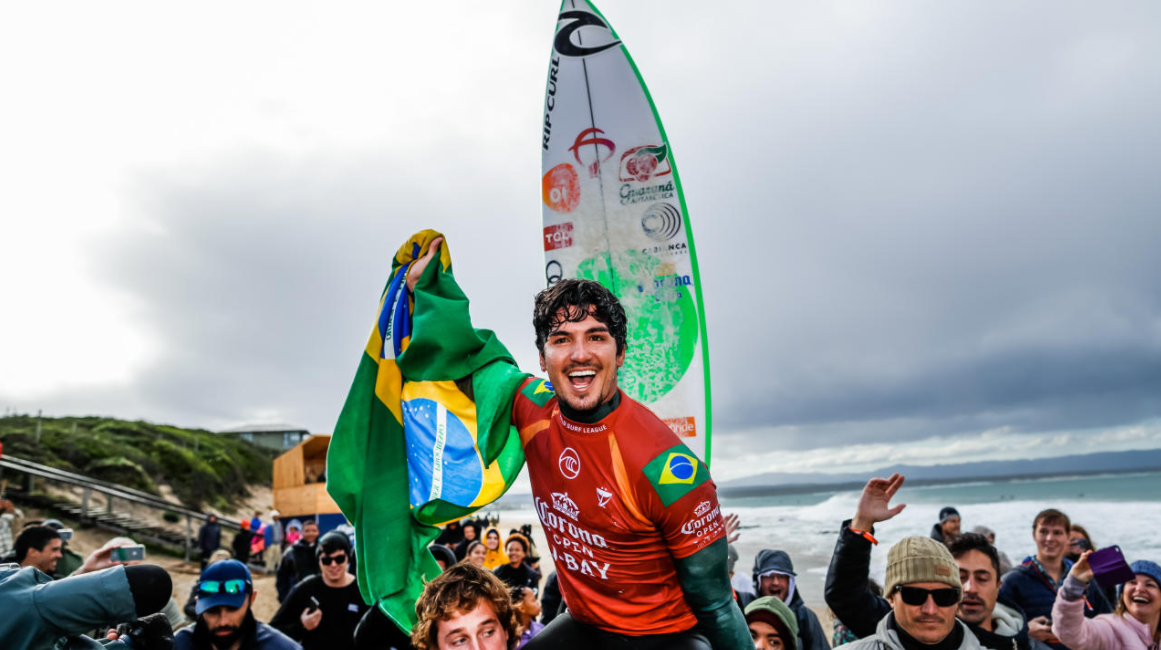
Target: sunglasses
917, 596
223, 586
1080, 543
328, 560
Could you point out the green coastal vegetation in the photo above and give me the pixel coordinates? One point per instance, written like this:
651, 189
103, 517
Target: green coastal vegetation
202, 468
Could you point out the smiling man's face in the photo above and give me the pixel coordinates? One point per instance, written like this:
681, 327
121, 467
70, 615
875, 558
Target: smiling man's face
581, 360
1051, 540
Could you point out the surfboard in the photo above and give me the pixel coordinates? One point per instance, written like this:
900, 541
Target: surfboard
614, 211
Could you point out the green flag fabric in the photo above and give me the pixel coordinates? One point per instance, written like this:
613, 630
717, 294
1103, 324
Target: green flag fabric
425, 436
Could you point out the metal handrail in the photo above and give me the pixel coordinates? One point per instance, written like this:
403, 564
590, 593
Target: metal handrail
109, 489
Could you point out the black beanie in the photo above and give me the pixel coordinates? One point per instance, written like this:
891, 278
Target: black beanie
333, 541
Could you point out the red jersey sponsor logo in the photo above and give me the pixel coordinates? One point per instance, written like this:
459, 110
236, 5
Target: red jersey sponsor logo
569, 463
603, 496
561, 502
707, 520
682, 427
571, 545
579, 429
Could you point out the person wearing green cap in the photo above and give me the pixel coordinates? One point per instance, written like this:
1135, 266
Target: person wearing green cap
923, 588
773, 626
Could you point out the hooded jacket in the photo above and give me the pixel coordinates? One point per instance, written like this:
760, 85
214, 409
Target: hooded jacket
1104, 632
886, 638
496, 557
810, 631
937, 533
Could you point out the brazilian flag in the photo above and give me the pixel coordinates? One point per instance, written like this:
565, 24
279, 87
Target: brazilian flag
425, 435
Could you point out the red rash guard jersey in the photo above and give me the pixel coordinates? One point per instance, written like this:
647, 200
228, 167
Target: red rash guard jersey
619, 500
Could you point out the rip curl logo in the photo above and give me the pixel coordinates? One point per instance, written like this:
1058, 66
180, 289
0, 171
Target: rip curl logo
562, 503
564, 43
603, 496
569, 463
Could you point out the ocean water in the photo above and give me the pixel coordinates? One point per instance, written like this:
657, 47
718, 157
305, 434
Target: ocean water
1121, 509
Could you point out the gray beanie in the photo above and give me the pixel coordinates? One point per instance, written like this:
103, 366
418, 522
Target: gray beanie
920, 559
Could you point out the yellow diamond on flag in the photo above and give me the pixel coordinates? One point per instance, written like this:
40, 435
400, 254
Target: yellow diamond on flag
679, 468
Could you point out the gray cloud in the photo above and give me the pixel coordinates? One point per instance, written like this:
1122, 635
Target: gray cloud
911, 221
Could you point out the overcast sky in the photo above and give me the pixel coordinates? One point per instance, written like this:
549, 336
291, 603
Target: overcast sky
928, 232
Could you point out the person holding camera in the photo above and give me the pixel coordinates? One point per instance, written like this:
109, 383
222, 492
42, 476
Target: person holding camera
39, 612
323, 610
1136, 623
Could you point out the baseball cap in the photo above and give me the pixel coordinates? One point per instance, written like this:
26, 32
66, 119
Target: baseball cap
226, 582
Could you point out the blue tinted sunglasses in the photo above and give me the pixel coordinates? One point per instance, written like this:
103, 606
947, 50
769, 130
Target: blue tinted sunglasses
223, 586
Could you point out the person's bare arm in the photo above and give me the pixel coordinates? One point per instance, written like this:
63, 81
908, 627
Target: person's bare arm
420, 264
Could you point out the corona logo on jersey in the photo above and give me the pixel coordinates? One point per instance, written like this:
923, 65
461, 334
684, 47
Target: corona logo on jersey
675, 472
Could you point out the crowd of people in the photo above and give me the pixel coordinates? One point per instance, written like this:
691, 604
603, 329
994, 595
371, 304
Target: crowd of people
641, 551
944, 591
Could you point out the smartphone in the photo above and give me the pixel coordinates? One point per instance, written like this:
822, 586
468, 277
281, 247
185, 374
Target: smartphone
313, 605
65, 534
128, 553
1109, 567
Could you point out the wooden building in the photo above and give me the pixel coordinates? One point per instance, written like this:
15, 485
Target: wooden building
300, 490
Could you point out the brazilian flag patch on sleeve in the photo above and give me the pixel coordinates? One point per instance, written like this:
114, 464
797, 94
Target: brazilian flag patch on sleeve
675, 473
538, 391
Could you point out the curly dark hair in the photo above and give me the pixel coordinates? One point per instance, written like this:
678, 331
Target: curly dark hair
460, 589
974, 542
573, 301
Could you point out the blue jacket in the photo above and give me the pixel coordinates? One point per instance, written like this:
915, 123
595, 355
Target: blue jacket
260, 636
1030, 590
39, 613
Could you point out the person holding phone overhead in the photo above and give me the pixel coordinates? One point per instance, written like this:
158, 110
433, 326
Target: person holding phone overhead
1032, 586
322, 611
1133, 626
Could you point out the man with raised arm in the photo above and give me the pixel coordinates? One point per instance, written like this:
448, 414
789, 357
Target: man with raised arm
630, 514
994, 624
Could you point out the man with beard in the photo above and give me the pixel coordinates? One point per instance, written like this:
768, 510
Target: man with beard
225, 617
948, 527
996, 623
853, 601
637, 535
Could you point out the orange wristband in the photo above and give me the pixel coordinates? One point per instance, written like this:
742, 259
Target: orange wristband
865, 535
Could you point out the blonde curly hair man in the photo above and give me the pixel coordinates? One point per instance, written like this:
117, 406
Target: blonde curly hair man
465, 603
